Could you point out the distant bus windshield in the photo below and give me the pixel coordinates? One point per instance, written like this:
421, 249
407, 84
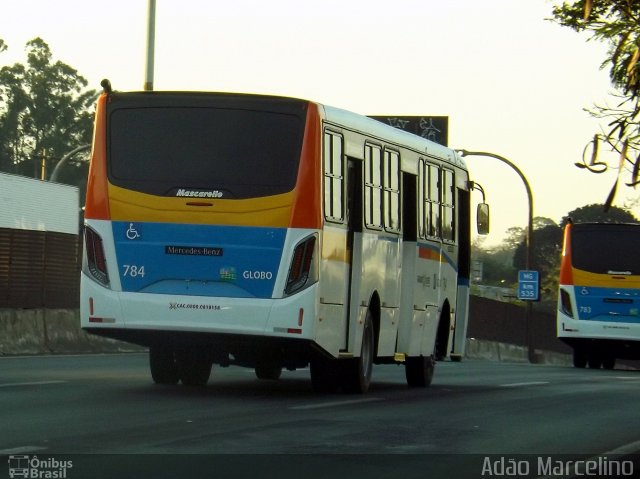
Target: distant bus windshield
243, 152
606, 248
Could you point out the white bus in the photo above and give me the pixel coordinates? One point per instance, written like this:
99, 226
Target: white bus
599, 297
273, 233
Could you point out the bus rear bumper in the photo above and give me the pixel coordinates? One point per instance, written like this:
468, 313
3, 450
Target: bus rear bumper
105, 310
622, 339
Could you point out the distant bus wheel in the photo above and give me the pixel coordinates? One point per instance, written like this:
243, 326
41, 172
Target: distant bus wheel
357, 372
268, 371
419, 371
595, 360
163, 365
195, 368
609, 361
579, 358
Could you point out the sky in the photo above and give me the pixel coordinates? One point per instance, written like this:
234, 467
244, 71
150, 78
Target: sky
511, 82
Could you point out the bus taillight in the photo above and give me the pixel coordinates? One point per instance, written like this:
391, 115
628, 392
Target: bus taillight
96, 261
565, 303
301, 271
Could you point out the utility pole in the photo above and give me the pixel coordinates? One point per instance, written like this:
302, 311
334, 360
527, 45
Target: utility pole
529, 240
151, 42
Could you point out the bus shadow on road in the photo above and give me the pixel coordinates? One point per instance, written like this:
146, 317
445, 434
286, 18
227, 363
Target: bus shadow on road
295, 386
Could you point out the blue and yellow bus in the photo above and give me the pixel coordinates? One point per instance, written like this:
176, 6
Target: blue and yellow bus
273, 233
599, 296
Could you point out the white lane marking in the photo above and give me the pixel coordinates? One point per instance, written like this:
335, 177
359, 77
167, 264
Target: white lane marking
531, 383
21, 450
32, 383
631, 448
64, 356
334, 404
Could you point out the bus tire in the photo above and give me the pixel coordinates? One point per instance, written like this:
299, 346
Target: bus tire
195, 368
579, 358
609, 361
595, 360
323, 375
269, 372
419, 371
163, 365
357, 372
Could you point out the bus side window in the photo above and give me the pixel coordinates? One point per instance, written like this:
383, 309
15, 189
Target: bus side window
333, 177
433, 201
422, 196
392, 190
373, 187
448, 217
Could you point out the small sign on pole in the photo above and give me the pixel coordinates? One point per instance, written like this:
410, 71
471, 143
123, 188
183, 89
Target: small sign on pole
528, 285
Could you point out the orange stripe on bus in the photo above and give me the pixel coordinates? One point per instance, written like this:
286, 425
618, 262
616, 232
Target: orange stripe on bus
97, 202
427, 253
306, 212
566, 268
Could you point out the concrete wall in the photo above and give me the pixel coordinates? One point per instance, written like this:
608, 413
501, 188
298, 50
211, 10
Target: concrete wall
496, 331
506, 323
50, 331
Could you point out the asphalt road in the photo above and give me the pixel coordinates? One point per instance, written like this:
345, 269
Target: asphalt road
104, 413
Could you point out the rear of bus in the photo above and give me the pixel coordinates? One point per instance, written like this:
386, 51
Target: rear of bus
599, 295
201, 229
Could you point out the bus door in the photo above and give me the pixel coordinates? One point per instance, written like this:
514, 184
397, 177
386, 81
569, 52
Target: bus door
354, 241
464, 273
429, 262
412, 312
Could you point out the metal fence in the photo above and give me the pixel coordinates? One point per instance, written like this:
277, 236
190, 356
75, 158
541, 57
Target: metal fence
39, 269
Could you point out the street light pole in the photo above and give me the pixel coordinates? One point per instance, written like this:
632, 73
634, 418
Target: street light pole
151, 41
529, 238
63, 161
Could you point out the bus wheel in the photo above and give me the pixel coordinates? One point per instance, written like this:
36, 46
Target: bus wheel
268, 371
324, 375
594, 361
579, 358
419, 371
357, 372
163, 365
195, 368
609, 361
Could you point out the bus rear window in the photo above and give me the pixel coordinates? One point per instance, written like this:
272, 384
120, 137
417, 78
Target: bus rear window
613, 248
238, 153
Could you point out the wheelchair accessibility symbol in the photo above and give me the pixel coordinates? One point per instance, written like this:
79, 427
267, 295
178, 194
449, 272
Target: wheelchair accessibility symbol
132, 233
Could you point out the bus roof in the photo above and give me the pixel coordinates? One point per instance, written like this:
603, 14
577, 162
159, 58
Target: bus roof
347, 119
360, 123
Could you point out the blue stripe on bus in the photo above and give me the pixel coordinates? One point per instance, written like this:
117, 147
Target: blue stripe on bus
612, 305
198, 260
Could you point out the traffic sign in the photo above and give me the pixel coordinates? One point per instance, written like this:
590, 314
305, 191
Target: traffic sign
528, 285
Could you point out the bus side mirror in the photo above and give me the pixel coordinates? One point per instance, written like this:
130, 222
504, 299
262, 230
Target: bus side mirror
482, 217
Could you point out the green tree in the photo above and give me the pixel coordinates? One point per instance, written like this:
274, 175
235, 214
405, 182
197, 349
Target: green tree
45, 112
547, 241
596, 213
497, 267
617, 23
